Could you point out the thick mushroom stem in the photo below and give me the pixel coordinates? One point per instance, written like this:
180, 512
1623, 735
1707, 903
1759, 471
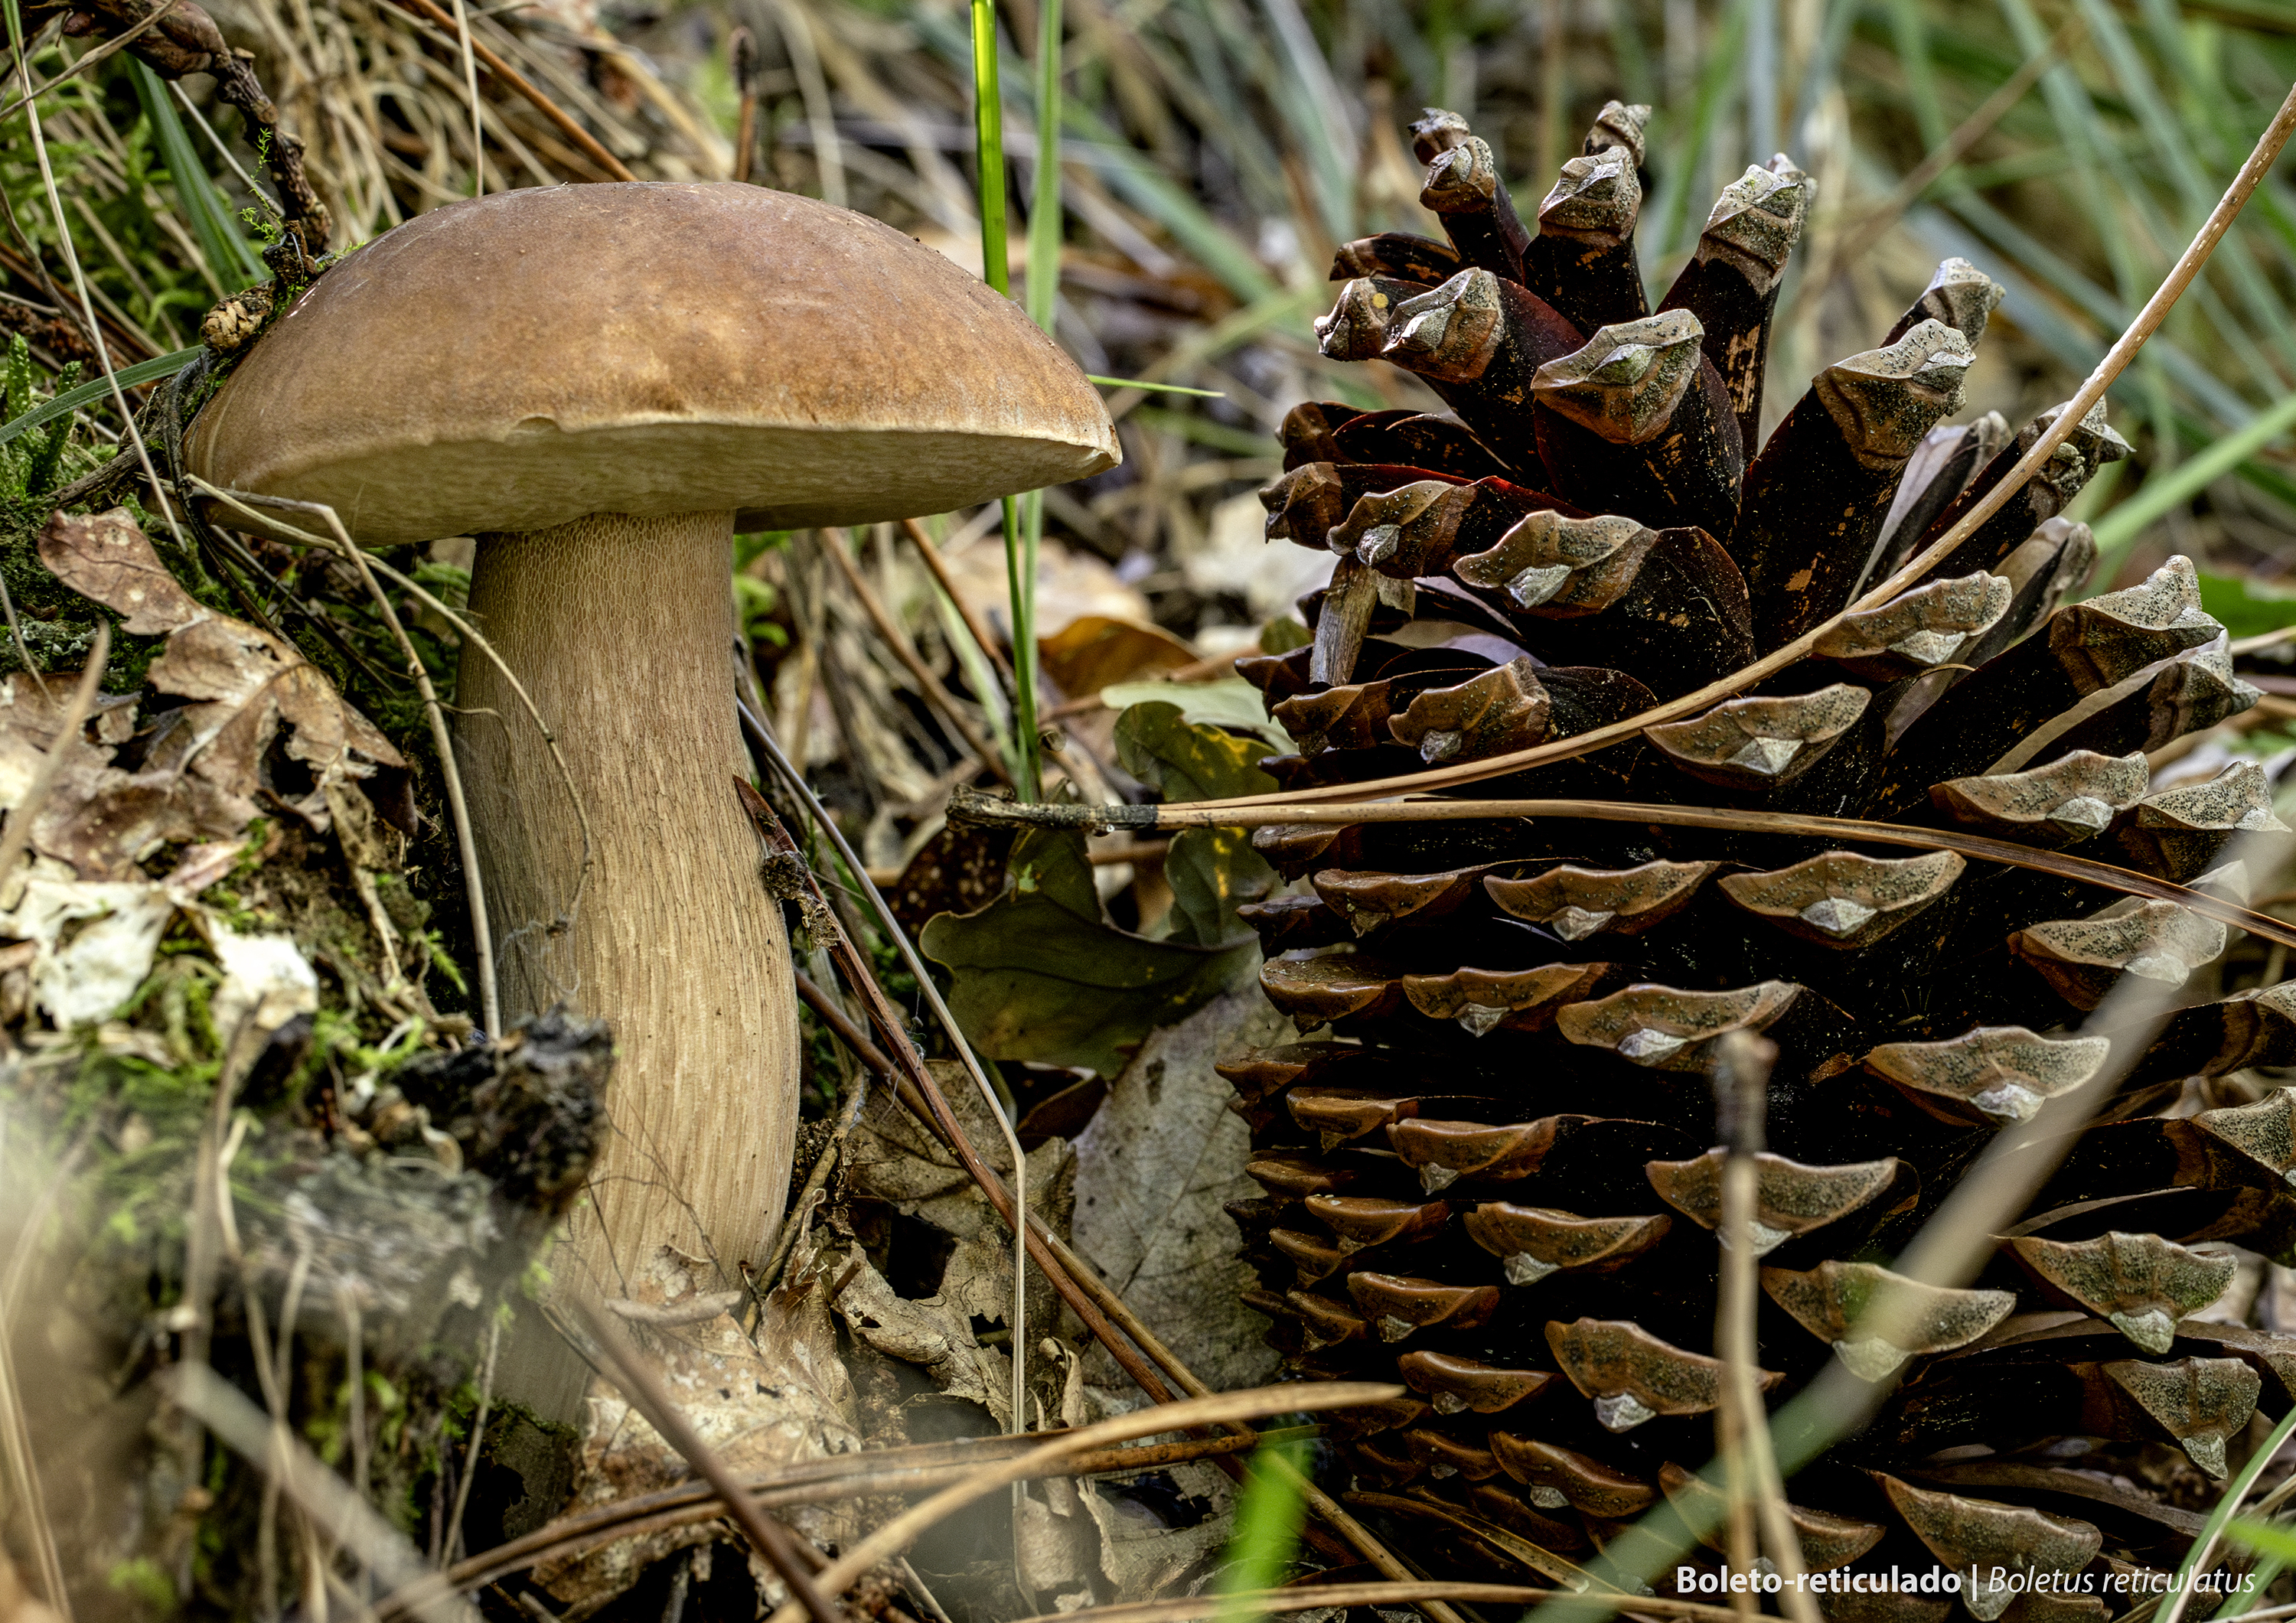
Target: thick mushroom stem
621, 629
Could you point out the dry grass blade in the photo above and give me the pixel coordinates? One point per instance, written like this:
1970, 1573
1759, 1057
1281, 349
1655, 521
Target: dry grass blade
323, 1497
896, 1535
938, 565
118, 42
919, 1468
1320, 1597
834, 543
591, 147
1741, 1086
1015, 1211
772, 1540
966, 806
19, 834
2090, 393
1965, 135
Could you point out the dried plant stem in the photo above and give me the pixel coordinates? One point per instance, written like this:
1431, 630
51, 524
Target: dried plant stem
450, 777
318, 1492
18, 836
2068, 419
1320, 1597
772, 1541
896, 1535
834, 543
1741, 1084
92, 329
470, 89
967, 806
981, 636
519, 85
1014, 1211
914, 1469
454, 1540
118, 42
814, 1181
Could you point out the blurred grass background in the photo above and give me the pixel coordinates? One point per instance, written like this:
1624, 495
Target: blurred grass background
1213, 153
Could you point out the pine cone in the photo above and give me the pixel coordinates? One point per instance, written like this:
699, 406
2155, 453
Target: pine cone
1494, 1181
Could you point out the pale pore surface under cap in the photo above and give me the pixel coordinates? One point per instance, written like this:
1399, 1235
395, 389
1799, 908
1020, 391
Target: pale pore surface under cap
522, 360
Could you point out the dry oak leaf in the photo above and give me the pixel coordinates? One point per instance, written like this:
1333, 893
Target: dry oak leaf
249, 690
775, 1399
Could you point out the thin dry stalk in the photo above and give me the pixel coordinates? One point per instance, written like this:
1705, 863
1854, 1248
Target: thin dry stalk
873, 1472
454, 1540
450, 777
814, 1181
470, 89
2069, 419
772, 1540
1099, 1306
19, 833
896, 1535
517, 82
317, 1492
981, 636
1740, 1085
881, 1014
970, 807
117, 42
834, 543
1320, 1597
31, 1510
93, 328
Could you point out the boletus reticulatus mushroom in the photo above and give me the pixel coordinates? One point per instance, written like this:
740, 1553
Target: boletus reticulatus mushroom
603, 383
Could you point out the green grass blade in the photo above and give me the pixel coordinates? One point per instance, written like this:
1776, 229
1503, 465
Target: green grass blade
2118, 530
204, 209
2283, 1544
988, 148
88, 394
1268, 1515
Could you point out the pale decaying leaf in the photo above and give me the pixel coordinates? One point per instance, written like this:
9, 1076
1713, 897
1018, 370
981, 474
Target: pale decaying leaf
93, 941
760, 1402
1162, 1157
255, 706
891, 1158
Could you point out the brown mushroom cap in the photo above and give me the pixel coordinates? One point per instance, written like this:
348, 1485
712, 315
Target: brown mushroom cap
519, 361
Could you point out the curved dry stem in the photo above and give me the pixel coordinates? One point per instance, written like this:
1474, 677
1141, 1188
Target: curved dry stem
474, 887
2129, 882
2069, 419
1318, 1597
895, 1536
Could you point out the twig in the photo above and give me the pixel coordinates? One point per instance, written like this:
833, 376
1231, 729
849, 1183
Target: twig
2069, 418
1102, 1310
872, 1473
117, 42
520, 84
478, 1437
450, 776
1741, 1084
772, 1541
967, 806
896, 1534
1334, 1597
888, 1026
19, 833
470, 89
938, 565
814, 1181
833, 542
854, 1038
